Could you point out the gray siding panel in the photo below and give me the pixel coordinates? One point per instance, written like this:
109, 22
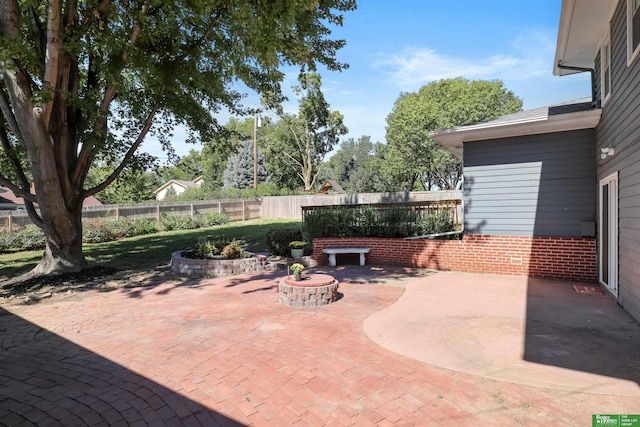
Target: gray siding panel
538, 185
620, 128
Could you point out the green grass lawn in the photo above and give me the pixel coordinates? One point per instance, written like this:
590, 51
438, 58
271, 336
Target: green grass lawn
153, 250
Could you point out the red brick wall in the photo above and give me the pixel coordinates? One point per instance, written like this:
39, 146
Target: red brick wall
551, 257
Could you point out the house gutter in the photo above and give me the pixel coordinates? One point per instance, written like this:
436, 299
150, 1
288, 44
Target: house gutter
582, 70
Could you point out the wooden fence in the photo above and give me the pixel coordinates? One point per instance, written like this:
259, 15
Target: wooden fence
235, 209
291, 206
418, 209
287, 207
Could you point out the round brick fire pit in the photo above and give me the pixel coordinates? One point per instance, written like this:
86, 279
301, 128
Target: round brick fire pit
313, 290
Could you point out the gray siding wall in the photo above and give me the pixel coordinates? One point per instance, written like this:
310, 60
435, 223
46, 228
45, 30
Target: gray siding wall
620, 128
536, 185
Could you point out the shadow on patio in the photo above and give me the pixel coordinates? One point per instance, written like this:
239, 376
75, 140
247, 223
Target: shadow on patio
48, 380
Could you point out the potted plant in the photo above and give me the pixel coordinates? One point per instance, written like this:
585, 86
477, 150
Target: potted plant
297, 248
297, 271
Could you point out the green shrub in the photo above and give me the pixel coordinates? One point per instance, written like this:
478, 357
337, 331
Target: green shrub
397, 221
29, 238
142, 226
120, 228
436, 222
106, 231
172, 221
330, 223
213, 218
278, 240
205, 248
233, 250
6, 241
215, 248
96, 232
370, 221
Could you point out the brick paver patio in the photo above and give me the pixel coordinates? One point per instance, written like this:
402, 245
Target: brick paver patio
224, 352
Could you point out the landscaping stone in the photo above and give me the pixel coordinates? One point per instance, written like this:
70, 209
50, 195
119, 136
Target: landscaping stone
219, 267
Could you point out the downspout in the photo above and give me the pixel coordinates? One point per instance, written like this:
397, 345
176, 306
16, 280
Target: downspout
582, 70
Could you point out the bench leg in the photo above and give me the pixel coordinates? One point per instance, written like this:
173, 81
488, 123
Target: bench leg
332, 260
361, 259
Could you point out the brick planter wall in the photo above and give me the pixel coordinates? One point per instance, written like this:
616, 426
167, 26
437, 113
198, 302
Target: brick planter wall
549, 257
218, 267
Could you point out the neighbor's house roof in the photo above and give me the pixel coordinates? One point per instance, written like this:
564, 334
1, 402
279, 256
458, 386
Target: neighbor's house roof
8, 200
582, 26
184, 184
573, 115
331, 185
91, 201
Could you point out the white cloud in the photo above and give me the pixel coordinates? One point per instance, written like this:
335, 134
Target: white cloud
529, 56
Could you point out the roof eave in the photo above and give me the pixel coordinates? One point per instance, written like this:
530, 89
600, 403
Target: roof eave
582, 26
452, 139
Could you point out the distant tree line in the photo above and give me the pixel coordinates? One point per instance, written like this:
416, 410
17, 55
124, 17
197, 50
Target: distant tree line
292, 148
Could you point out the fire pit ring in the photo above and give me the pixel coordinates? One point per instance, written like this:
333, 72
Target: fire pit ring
314, 290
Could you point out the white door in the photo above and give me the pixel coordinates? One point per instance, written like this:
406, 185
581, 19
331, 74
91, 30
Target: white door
608, 259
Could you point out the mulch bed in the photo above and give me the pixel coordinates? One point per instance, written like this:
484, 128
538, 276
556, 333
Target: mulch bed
82, 280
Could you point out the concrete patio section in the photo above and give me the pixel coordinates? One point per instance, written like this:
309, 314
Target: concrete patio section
225, 352
527, 331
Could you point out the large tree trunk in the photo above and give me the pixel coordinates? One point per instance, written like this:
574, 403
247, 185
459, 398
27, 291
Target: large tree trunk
63, 253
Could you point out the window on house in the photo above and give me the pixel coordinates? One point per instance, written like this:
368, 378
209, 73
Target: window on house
605, 61
633, 29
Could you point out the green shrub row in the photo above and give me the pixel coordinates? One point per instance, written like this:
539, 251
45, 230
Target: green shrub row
106, 231
28, 238
31, 237
169, 221
368, 221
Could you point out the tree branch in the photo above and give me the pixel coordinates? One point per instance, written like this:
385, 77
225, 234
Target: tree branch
33, 214
110, 91
54, 23
39, 36
11, 154
7, 112
130, 152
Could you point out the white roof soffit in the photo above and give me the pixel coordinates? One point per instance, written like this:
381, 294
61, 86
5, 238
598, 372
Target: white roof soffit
582, 26
452, 139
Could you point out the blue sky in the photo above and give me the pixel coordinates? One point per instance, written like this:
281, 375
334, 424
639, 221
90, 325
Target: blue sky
400, 46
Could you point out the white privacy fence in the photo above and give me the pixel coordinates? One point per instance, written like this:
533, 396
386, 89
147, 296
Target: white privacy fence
288, 207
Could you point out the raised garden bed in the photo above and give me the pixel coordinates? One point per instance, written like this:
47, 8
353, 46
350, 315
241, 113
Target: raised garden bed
219, 267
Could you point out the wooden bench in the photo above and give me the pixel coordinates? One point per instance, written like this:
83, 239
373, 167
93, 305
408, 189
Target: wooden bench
333, 251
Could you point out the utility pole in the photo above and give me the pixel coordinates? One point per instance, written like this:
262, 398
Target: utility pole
255, 150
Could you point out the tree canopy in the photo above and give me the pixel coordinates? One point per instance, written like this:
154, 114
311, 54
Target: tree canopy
413, 157
356, 165
82, 81
239, 170
306, 138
